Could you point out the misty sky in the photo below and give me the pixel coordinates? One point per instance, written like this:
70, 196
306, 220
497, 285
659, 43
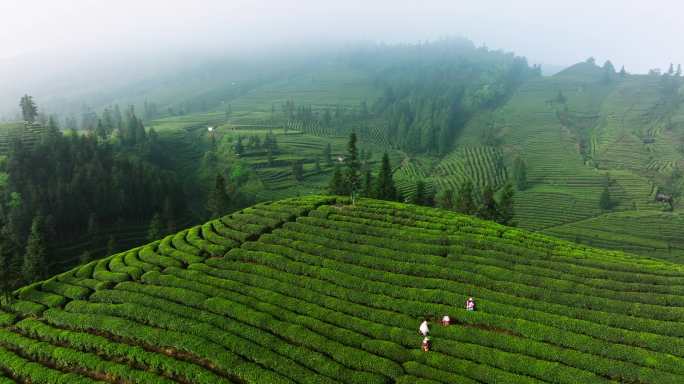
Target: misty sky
639, 34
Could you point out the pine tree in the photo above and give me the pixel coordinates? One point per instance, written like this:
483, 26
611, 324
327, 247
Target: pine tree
8, 271
465, 201
53, 127
385, 189
623, 72
337, 185
100, 130
4, 273
419, 197
131, 135
520, 174
154, 231
506, 211
671, 70
560, 98
608, 71
605, 201
678, 73
429, 199
140, 134
446, 200
34, 267
488, 210
609, 67
327, 155
28, 108
298, 170
239, 148
218, 201
368, 184
352, 176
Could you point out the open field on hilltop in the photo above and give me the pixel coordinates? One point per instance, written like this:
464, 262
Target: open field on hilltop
314, 290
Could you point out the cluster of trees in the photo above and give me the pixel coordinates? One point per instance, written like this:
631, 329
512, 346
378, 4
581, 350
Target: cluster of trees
355, 178
255, 143
470, 201
64, 184
225, 174
671, 71
111, 122
431, 91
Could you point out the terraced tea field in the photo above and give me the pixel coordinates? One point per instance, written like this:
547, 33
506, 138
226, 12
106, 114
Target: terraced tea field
315, 290
29, 134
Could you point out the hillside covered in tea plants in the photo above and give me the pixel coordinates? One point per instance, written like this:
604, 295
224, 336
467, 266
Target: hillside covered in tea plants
598, 145
319, 290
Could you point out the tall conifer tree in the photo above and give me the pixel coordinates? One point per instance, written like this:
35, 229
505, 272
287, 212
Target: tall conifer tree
385, 189
34, 266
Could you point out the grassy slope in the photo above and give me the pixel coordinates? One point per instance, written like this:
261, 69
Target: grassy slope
315, 290
565, 187
327, 87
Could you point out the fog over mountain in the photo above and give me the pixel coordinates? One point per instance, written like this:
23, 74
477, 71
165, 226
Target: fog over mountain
80, 45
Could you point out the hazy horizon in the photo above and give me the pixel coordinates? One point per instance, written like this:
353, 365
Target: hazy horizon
61, 47
636, 34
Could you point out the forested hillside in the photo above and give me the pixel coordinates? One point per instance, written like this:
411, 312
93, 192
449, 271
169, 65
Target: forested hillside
591, 154
317, 290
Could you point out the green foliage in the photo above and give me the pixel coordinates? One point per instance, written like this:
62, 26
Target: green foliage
385, 188
337, 185
353, 166
317, 290
431, 90
298, 170
155, 229
446, 200
520, 174
368, 184
29, 110
34, 266
465, 201
218, 201
505, 206
422, 195
605, 201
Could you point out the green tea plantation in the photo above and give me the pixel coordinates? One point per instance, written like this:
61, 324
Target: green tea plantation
319, 290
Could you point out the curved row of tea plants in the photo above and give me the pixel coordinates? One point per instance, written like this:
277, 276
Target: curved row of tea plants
316, 290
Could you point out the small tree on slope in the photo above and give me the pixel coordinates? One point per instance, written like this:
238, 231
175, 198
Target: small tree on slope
337, 185
34, 266
218, 201
352, 175
505, 208
154, 231
489, 209
465, 201
385, 188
